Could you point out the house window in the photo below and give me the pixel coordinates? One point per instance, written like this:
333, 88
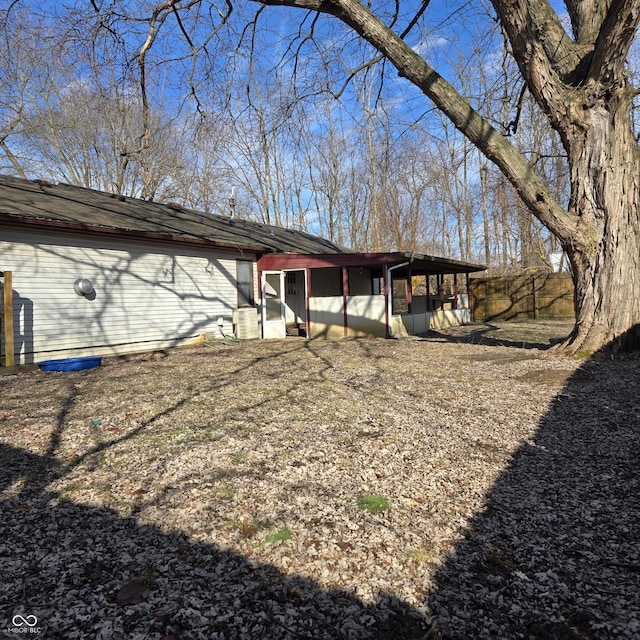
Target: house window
244, 277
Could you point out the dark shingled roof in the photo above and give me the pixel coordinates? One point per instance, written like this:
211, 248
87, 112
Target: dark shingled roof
75, 208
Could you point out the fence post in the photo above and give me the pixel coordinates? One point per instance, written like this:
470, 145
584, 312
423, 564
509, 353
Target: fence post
7, 318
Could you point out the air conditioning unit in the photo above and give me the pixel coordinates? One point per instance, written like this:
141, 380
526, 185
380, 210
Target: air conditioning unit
245, 323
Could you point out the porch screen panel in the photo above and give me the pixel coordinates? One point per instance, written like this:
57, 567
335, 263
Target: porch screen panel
273, 297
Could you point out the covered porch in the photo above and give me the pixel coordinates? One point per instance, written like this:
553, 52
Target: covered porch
361, 294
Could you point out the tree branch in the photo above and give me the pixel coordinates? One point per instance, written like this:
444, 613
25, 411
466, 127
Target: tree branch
416, 18
160, 14
614, 40
13, 159
512, 127
468, 121
548, 54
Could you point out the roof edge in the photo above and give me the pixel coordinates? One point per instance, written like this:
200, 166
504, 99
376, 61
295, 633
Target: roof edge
79, 228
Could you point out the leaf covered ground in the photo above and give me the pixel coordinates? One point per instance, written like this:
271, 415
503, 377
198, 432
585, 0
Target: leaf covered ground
468, 484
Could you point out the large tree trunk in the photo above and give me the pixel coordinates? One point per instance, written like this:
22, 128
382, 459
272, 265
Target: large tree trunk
583, 89
605, 251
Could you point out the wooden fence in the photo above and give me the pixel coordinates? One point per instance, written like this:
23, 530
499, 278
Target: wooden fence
6, 319
547, 296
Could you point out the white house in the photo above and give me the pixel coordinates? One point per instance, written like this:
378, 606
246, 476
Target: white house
99, 274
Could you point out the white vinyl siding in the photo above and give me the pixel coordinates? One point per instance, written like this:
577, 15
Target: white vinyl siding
147, 295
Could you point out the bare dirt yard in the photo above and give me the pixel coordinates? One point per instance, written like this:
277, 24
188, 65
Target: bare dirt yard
465, 484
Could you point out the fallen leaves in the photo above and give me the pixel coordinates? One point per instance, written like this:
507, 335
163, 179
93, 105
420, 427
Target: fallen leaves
131, 593
218, 496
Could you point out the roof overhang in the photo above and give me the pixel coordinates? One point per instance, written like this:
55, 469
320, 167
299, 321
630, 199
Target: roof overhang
77, 228
420, 264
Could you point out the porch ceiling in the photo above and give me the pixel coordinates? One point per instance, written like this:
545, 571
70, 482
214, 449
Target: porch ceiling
420, 263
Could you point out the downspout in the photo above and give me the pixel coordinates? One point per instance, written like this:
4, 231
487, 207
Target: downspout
307, 298
389, 288
260, 300
345, 295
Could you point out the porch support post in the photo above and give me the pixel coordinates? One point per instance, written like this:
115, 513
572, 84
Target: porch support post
307, 300
409, 291
455, 290
385, 288
345, 293
260, 302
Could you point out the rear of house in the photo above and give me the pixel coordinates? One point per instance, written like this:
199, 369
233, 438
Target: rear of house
143, 296
98, 274
157, 275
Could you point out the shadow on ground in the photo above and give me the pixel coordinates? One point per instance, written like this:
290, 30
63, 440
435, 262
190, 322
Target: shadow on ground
528, 334
110, 577
556, 551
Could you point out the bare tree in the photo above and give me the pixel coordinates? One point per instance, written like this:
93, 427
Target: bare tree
84, 137
264, 147
68, 119
24, 74
330, 166
411, 210
203, 178
581, 84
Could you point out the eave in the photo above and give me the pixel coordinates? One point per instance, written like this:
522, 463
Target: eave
76, 228
420, 263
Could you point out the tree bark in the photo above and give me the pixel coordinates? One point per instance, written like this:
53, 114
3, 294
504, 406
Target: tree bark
605, 250
585, 94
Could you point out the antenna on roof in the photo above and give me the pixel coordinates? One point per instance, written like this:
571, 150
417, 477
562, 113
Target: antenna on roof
232, 203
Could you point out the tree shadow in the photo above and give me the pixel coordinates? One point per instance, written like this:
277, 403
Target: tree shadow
87, 572
556, 551
554, 554
520, 335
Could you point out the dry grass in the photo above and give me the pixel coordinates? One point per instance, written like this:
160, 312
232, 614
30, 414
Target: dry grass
213, 492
